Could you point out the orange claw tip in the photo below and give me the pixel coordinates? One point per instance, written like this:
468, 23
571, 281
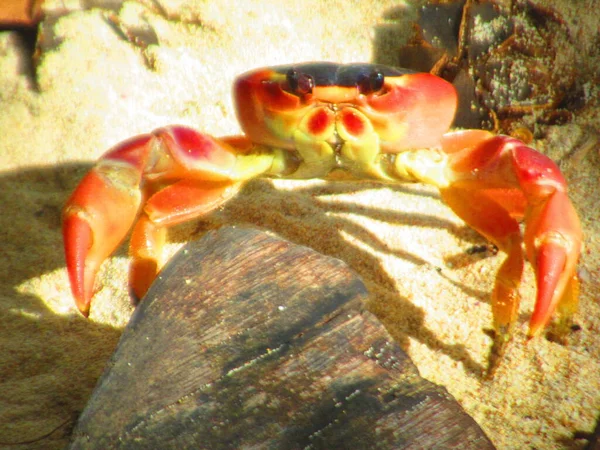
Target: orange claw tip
77, 237
550, 267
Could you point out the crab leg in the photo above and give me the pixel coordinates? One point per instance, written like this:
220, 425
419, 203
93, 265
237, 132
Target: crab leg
177, 203
513, 181
179, 174
492, 182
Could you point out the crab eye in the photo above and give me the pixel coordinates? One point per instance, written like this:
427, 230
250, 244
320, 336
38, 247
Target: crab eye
370, 84
299, 83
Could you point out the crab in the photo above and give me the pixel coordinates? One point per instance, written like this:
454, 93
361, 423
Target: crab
311, 119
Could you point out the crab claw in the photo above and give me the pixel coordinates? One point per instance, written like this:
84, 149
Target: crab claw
99, 213
558, 285
491, 183
553, 241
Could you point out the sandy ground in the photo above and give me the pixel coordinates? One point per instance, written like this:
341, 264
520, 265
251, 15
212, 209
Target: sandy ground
94, 89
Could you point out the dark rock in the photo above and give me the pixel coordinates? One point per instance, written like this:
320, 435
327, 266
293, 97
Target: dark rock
250, 341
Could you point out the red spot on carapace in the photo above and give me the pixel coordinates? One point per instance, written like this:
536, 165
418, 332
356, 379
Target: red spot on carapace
318, 122
353, 123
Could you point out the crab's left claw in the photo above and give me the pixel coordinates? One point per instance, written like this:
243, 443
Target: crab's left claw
494, 181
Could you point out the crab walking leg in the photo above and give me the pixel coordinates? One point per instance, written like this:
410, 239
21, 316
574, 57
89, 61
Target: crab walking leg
495, 223
179, 174
491, 182
179, 202
145, 249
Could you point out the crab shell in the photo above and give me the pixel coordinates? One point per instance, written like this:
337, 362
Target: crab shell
410, 110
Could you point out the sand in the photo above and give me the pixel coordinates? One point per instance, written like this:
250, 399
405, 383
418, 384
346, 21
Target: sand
93, 89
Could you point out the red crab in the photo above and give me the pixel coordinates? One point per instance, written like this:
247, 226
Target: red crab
304, 121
